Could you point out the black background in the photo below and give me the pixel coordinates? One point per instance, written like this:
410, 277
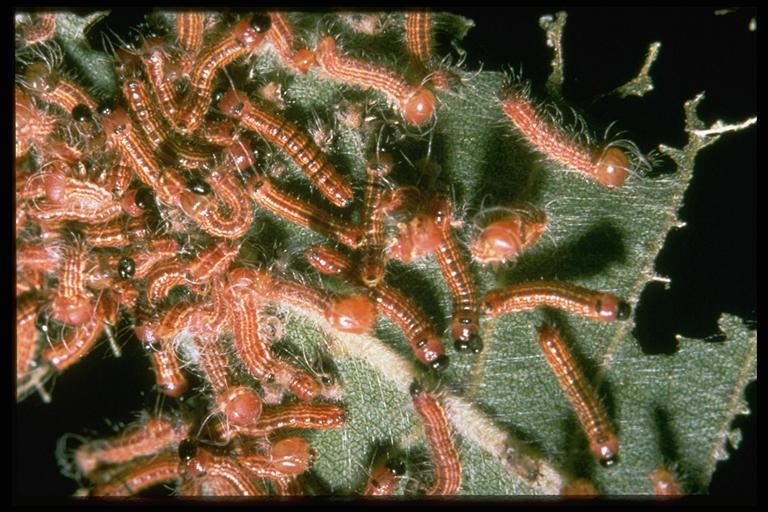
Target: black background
712, 261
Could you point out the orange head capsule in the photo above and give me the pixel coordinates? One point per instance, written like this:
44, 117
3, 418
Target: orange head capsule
152, 45
241, 406
55, 185
464, 327
498, 240
174, 386
401, 247
425, 235
194, 205
665, 483
610, 307
507, 235
606, 449
292, 455
429, 350
418, 238
252, 280
304, 60
384, 479
250, 32
419, 107
137, 201
115, 121
233, 103
75, 310
194, 459
241, 153
380, 164
611, 168
356, 314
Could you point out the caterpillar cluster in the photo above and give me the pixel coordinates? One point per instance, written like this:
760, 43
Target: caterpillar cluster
138, 210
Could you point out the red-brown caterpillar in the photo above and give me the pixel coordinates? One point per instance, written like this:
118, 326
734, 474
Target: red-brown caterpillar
590, 304
445, 458
383, 479
190, 26
300, 212
609, 166
288, 457
42, 29
298, 415
154, 435
26, 332
372, 262
141, 475
465, 324
418, 35
51, 88
79, 340
33, 126
244, 38
295, 143
168, 374
227, 473
416, 104
406, 314
505, 233
602, 440
131, 147
281, 37
246, 290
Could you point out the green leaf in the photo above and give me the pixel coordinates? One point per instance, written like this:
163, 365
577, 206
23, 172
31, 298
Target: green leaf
505, 404
598, 238
71, 31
